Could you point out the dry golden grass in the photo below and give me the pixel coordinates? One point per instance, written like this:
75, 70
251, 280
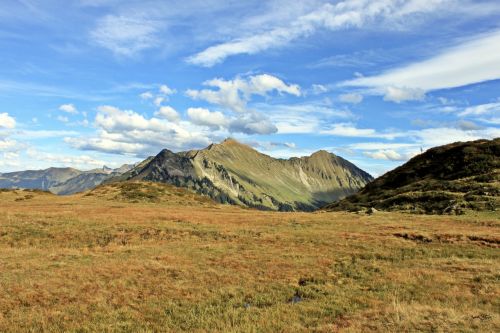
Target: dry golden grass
92, 264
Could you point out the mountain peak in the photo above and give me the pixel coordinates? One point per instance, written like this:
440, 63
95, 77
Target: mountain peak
230, 141
321, 153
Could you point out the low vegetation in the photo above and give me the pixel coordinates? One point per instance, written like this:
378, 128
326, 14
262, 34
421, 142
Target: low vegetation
139, 257
450, 179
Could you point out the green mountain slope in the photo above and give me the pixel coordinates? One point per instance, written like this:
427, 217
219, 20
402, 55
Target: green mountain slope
231, 172
446, 179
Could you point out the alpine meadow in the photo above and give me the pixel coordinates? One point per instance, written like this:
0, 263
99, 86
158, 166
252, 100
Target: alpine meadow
249, 166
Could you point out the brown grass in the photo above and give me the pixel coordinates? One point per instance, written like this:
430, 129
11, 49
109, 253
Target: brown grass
86, 264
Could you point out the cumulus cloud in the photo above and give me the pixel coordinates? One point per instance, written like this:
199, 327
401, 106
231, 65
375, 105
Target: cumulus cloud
7, 121
249, 123
341, 15
204, 117
252, 123
390, 155
166, 90
158, 100
399, 95
352, 98
169, 113
473, 61
68, 108
127, 132
235, 94
163, 94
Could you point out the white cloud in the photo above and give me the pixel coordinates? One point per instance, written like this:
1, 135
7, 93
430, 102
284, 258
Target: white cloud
7, 121
390, 155
166, 90
169, 113
146, 95
63, 119
432, 137
158, 100
68, 108
349, 130
492, 121
43, 134
234, 94
302, 118
380, 145
81, 161
352, 98
318, 89
163, 93
7, 144
482, 109
252, 123
420, 140
204, 117
126, 35
467, 63
342, 15
399, 95
127, 132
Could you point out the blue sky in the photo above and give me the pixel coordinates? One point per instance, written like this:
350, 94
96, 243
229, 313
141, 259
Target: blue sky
90, 82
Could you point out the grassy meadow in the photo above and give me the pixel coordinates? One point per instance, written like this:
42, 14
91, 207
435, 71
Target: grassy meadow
165, 260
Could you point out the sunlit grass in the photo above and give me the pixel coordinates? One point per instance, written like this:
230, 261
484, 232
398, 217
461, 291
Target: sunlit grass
103, 263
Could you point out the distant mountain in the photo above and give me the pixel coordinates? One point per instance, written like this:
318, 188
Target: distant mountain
59, 180
446, 179
231, 172
37, 179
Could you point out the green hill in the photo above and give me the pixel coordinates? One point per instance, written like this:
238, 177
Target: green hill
446, 179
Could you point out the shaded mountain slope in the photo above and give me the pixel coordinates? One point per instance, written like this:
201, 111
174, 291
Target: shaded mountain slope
231, 172
446, 179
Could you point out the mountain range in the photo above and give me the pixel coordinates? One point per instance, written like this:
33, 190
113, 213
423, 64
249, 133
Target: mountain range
60, 180
232, 172
446, 179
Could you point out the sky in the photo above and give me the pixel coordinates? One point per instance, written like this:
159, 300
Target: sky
87, 83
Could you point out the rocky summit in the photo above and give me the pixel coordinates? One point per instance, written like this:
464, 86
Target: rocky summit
444, 180
232, 172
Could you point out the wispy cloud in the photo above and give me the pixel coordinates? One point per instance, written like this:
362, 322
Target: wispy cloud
344, 14
127, 35
473, 61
